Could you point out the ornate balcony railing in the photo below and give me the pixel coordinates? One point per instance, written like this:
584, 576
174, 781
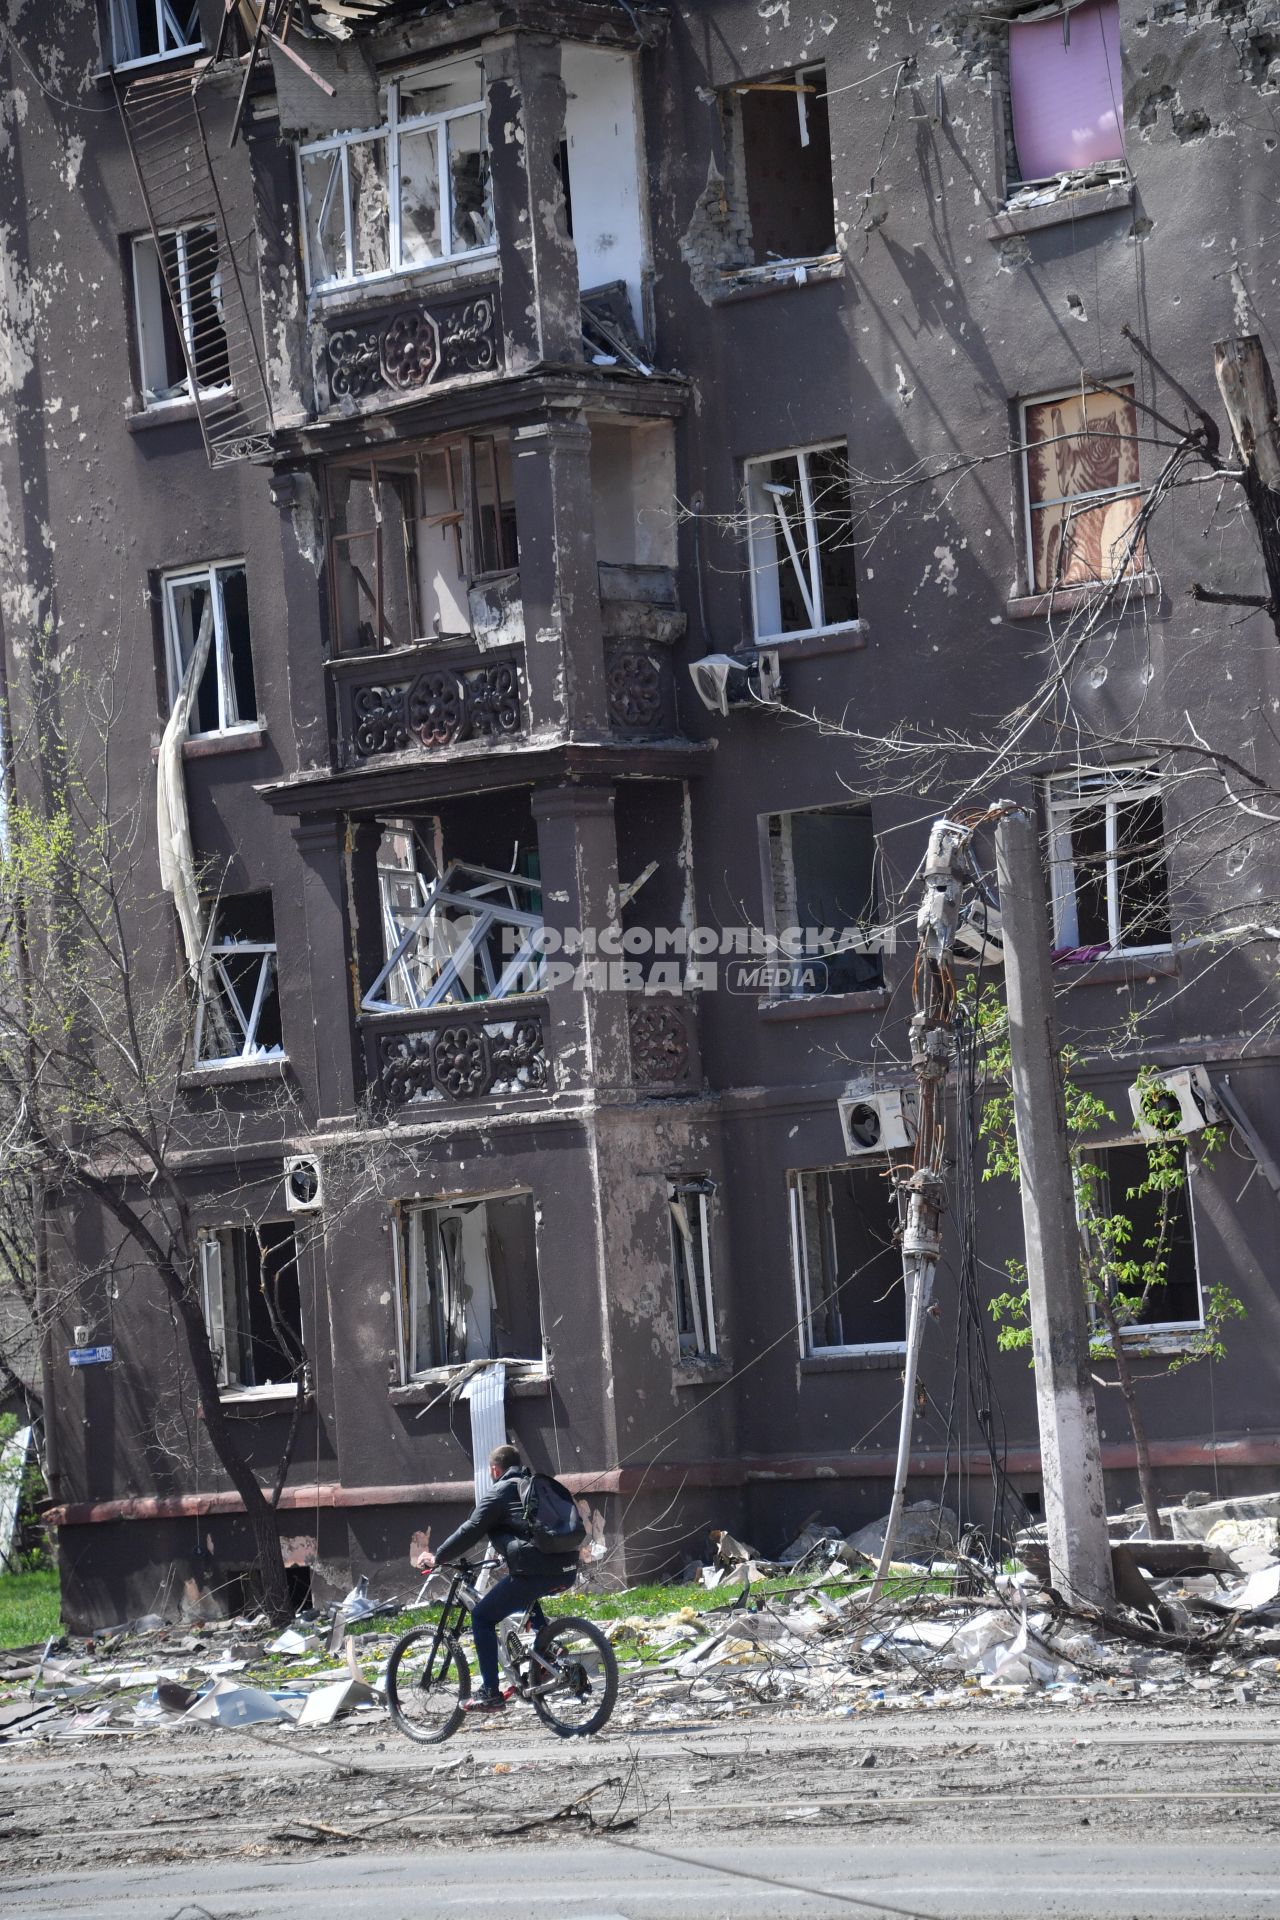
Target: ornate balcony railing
399, 350
664, 1047
458, 1054
641, 622
420, 697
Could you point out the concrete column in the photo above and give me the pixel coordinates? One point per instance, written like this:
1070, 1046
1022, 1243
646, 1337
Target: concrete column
1074, 1495
323, 1012
537, 259
559, 579
578, 855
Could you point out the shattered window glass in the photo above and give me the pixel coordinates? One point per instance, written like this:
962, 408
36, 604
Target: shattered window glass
1161, 1237
226, 697
325, 209
689, 1203
153, 29
238, 1014
803, 576
1108, 868
179, 314
420, 197
252, 1309
848, 1267
1083, 495
470, 1283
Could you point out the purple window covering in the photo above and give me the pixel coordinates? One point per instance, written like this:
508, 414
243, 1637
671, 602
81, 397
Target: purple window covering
1066, 92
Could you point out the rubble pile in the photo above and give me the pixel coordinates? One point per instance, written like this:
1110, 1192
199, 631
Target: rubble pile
796, 1632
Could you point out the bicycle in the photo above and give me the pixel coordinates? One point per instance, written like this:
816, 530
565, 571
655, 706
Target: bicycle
566, 1670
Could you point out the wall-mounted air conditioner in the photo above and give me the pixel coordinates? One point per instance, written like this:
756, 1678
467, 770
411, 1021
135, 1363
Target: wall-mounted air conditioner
723, 681
877, 1122
303, 1184
1183, 1093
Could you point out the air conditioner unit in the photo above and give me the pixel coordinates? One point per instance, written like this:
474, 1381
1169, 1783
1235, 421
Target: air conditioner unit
303, 1184
877, 1122
979, 936
1190, 1087
726, 680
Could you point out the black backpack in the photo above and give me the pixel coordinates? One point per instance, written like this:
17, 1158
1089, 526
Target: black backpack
551, 1518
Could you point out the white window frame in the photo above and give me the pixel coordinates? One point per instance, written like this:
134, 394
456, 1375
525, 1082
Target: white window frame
210, 577
1144, 785
167, 23
1077, 500
410, 1242
483, 898
145, 246
215, 981
800, 1267
390, 130
810, 582
692, 1197
213, 1304
1140, 1331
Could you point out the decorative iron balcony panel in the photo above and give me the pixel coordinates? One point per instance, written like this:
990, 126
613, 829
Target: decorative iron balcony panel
406, 348
664, 1053
458, 1054
417, 700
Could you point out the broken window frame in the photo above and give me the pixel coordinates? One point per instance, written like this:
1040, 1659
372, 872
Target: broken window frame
225, 1263
1086, 789
808, 580
212, 577
1138, 1332
521, 974
796, 80
392, 129
809, 1307
413, 1260
220, 1008
193, 326
1078, 502
689, 1207
778, 849
1116, 166
123, 22
462, 454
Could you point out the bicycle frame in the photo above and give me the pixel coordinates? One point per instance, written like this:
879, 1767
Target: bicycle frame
455, 1611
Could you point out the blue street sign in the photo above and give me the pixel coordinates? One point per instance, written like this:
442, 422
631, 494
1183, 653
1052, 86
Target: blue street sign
90, 1356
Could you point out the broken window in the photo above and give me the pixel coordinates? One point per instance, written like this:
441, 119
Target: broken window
1081, 460
469, 1283
1108, 871
412, 193
783, 136
252, 1310
410, 532
177, 290
226, 698
453, 932
848, 1268
1065, 89
144, 30
689, 1202
1161, 1237
824, 910
238, 1016
801, 540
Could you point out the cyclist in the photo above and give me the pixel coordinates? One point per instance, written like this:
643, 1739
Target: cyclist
531, 1573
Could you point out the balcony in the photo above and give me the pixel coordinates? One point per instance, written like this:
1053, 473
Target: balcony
426, 699
641, 622
454, 1055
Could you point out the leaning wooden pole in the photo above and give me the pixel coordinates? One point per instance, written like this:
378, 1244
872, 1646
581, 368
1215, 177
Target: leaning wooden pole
1249, 394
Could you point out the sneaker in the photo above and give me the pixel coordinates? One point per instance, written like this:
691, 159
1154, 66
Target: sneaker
484, 1702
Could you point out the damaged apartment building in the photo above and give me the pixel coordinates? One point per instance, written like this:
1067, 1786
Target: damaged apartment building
401, 400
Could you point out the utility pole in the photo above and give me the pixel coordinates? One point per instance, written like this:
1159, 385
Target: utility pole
1071, 1461
1248, 392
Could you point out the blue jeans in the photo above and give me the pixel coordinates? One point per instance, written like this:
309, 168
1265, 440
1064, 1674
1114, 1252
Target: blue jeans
511, 1595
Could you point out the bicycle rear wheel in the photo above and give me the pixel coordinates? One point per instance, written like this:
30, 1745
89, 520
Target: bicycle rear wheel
426, 1688
583, 1684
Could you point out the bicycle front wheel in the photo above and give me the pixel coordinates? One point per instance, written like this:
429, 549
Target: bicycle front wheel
427, 1682
577, 1696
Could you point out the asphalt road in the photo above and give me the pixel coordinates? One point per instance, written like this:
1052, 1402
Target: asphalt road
629, 1881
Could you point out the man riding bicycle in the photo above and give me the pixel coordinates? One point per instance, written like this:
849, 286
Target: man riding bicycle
531, 1573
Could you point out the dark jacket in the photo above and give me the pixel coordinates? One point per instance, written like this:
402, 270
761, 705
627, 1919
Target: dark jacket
500, 1516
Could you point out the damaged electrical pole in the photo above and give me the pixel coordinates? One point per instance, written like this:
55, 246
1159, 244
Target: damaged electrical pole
1070, 1456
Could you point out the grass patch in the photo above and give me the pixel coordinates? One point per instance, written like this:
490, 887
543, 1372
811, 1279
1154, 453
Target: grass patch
30, 1608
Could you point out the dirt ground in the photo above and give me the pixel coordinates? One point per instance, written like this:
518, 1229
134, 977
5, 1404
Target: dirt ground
1183, 1767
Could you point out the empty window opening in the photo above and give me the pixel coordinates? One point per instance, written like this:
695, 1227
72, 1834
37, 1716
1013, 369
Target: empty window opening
847, 1266
1151, 1272
143, 30
469, 1283
238, 1016
824, 909
181, 322
226, 697
633, 487
1066, 91
409, 534
1108, 871
414, 192
1082, 492
456, 930
252, 1309
689, 1202
782, 131
803, 578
